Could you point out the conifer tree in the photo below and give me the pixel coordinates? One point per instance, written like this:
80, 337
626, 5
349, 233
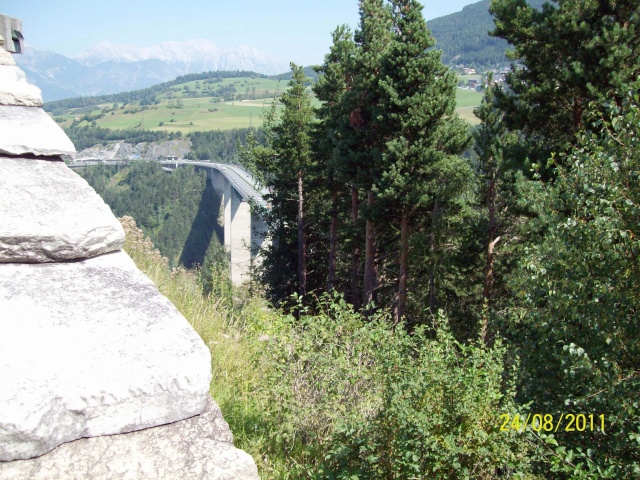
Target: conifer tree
567, 54
284, 162
421, 133
372, 41
336, 79
293, 145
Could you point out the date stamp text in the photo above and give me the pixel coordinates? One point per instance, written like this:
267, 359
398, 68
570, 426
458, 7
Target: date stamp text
539, 422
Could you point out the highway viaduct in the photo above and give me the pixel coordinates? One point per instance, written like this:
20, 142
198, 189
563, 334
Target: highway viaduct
244, 229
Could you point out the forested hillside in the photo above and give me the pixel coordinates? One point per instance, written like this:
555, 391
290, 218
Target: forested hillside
178, 211
464, 36
209, 145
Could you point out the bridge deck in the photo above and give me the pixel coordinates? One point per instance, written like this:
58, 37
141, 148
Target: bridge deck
241, 180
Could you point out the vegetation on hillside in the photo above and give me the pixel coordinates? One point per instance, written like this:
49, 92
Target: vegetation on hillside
531, 239
145, 96
211, 145
177, 211
331, 395
464, 37
88, 136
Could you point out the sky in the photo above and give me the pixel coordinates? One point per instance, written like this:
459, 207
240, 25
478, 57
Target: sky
289, 30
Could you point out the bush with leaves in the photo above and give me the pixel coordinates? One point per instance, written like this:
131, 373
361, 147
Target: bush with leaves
316, 371
355, 398
577, 329
439, 413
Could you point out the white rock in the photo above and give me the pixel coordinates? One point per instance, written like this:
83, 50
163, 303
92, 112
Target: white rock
15, 90
29, 130
49, 213
198, 448
91, 348
6, 58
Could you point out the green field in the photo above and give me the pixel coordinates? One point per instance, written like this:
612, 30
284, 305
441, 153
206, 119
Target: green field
209, 105
467, 101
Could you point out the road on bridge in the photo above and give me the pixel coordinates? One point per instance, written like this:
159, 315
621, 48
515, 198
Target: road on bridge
241, 180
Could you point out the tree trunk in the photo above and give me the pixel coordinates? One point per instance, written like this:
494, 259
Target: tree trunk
355, 255
404, 268
302, 254
370, 273
432, 250
333, 233
492, 240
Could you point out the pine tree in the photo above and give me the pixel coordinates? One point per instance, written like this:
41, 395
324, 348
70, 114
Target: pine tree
566, 55
284, 162
419, 170
336, 79
293, 145
372, 41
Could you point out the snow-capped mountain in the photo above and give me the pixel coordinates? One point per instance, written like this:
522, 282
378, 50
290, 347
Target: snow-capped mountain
192, 54
108, 68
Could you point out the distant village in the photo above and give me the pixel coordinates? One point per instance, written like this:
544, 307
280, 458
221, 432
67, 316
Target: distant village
478, 78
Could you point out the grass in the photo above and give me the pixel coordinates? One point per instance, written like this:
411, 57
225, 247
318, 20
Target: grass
194, 107
467, 101
285, 388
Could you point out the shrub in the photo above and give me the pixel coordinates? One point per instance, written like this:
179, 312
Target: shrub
316, 371
439, 416
355, 398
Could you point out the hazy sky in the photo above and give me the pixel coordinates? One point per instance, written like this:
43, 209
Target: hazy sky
291, 30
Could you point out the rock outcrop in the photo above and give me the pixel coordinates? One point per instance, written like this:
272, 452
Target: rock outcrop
100, 375
127, 151
50, 214
119, 356
194, 449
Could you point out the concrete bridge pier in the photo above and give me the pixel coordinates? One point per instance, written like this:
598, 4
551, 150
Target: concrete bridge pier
243, 231
240, 241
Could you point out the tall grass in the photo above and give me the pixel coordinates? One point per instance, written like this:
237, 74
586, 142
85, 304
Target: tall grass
225, 322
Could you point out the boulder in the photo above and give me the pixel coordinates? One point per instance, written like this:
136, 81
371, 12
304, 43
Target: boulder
29, 130
90, 348
49, 213
198, 448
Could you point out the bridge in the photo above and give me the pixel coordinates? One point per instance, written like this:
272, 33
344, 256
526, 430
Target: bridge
244, 229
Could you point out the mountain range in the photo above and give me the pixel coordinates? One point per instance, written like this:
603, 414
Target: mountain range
108, 68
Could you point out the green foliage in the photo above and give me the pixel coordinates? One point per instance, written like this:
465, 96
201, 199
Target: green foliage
221, 318
567, 55
316, 371
309, 72
220, 146
327, 393
88, 136
579, 291
463, 37
440, 403
145, 96
349, 397
418, 125
284, 162
388, 133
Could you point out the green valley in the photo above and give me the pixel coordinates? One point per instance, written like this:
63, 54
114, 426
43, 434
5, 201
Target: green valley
210, 103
